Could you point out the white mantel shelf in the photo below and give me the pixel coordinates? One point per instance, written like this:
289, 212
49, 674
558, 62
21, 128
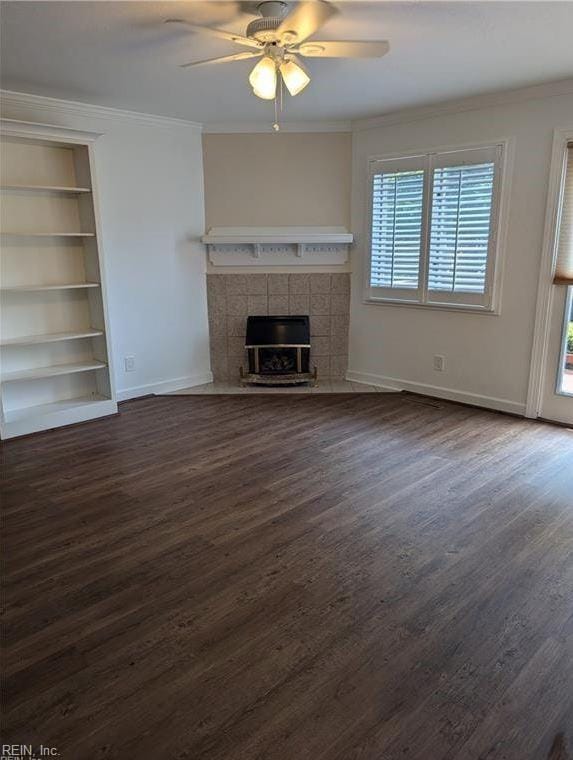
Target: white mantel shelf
277, 246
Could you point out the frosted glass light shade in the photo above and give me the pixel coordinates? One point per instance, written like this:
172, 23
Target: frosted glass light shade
294, 76
263, 78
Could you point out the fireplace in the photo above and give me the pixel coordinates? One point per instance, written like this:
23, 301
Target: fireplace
278, 350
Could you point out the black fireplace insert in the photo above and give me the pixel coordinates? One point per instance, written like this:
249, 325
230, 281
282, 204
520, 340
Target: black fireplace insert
278, 331
278, 347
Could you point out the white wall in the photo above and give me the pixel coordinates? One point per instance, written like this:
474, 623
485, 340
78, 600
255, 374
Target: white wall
487, 357
150, 177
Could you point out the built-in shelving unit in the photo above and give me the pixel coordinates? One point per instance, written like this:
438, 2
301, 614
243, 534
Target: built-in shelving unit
55, 354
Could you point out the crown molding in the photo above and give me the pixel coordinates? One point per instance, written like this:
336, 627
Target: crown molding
30, 105
223, 128
34, 104
503, 97
15, 128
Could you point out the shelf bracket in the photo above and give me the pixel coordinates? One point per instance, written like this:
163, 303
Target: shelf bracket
256, 250
300, 250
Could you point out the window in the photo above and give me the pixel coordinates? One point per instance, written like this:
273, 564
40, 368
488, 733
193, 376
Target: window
433, 228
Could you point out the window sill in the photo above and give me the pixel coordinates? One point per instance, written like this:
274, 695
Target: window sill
433, 306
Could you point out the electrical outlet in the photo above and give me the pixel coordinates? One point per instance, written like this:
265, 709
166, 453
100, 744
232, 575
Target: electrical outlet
129, 362
439, 362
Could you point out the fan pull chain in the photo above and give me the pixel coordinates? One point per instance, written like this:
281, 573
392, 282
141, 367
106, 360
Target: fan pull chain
278, 105
276, 125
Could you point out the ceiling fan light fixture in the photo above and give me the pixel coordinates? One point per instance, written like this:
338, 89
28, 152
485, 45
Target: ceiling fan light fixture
263, 78
294, 76
283, 31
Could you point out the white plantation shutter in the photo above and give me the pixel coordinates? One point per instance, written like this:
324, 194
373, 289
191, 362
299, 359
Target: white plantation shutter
396, 229
461, 244
459, 233
564, 268
433, 227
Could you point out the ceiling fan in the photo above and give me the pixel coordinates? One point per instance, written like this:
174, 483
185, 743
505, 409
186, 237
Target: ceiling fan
278, 37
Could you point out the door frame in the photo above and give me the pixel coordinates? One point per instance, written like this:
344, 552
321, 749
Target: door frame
545, 291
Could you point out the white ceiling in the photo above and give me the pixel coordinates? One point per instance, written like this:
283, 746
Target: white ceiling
119, 54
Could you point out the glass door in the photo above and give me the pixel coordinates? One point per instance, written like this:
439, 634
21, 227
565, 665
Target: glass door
557, 399
551, 390
565, 383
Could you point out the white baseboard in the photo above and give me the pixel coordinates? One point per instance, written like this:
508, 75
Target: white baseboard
449, 394
165, 386
377, 380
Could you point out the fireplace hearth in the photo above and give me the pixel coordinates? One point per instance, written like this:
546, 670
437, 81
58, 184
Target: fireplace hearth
278, 348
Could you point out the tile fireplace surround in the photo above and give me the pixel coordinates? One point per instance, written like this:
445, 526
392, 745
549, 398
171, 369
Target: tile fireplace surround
233, 297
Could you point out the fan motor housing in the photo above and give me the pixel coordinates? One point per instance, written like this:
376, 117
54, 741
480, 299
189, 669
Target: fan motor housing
264, 29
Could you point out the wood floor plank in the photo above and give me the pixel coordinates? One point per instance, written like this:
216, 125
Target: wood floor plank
335, 577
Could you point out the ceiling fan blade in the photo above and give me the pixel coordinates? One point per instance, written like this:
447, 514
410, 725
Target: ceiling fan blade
221, 33
224, 59
344, 49
305, 19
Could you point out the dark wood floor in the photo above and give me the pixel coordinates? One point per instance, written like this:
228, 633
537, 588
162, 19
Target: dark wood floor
312, 577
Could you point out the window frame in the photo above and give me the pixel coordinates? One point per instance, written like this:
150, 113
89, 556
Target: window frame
428, 160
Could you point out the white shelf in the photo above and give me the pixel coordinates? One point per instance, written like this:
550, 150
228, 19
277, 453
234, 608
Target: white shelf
30, 340
276, 246
62, 286
65, 405
6, 233
276, 235
45, 189
54, 371
32, 419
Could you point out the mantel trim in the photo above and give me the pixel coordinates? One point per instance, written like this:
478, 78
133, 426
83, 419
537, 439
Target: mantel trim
277, 246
